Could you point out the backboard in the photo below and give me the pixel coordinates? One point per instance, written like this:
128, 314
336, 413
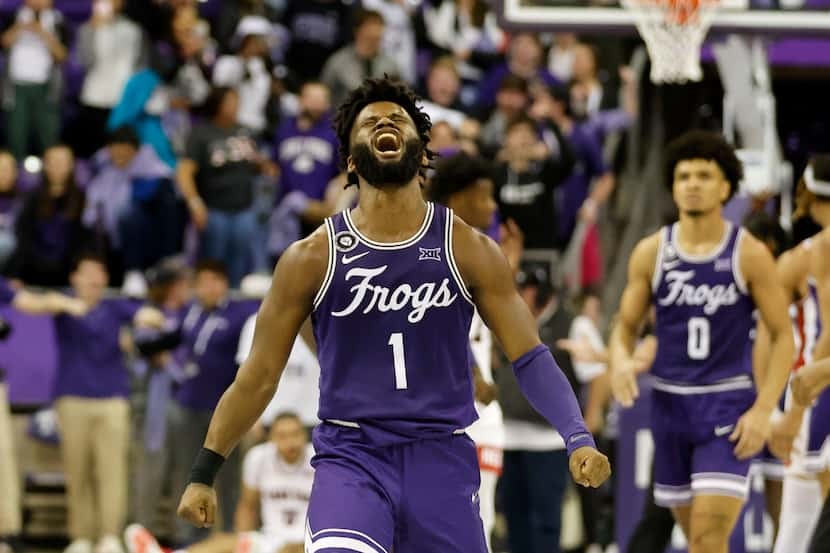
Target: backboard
781, 17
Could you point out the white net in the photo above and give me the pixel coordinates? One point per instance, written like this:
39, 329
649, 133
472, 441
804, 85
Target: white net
673, 31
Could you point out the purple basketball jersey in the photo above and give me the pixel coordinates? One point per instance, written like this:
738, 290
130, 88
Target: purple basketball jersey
392, 323
704, 316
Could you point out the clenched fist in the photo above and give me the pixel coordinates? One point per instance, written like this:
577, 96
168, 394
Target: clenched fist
589, 467
198, 505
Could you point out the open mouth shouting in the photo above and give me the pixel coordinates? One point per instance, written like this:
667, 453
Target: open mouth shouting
387, 143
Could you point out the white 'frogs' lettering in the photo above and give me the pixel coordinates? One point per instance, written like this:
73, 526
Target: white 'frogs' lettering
711, 298
425, 296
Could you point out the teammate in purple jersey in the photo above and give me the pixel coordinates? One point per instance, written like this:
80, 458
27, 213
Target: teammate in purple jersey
391, 286
705, 278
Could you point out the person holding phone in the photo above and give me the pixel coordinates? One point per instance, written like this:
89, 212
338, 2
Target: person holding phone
36, 46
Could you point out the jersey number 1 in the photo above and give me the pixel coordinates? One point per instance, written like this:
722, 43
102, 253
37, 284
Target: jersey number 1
698, 346
396, 341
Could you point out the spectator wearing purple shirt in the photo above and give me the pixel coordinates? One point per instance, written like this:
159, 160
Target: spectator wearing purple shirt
132, 207
91, 402
211, 326
525, 59
10, 508
11, 202
306, 152
48, 230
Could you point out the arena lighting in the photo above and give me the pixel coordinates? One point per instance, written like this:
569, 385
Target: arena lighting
32, 164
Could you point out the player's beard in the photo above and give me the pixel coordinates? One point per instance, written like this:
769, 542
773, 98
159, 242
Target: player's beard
382, 174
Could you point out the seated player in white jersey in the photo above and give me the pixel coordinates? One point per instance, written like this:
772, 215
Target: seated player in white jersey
391, 287
705, 279
276, 486
464, 183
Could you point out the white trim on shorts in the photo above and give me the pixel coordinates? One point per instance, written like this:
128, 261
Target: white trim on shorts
672, 496
703, 483
741, 382
720, 483
350, 424
315, 542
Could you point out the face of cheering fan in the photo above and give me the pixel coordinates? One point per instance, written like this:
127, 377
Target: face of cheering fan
700, 187
385, 147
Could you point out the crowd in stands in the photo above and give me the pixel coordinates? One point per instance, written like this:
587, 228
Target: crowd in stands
145, 129
147, 136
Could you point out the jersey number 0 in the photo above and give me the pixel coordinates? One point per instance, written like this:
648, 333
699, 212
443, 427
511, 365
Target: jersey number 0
698, 346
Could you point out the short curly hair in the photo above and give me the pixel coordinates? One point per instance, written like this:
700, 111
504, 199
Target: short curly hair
698, 144
456, 173
384, 89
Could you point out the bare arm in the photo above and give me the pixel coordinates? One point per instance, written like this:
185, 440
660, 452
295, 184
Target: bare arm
297, 277
10, 36
820, 270
790, 269
772, 302
634, 305
247, 510
50, 303
53, 43
757, 265
186, 180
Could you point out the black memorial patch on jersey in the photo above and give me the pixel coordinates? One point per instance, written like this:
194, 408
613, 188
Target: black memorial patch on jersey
345, 241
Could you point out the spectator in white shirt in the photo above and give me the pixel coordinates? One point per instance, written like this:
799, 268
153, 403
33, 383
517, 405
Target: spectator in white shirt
36, 47
277, 477
110, 47
248, 72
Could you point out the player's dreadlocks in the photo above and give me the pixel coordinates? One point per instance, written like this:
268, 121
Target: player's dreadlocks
455, 173
380, 90
706, 145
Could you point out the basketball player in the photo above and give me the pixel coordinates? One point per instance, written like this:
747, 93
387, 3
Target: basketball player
464, 183
801, 499
705, 277
810, 386
391, 287
276, 485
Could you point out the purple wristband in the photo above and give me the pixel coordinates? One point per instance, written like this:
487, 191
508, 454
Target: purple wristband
547, 389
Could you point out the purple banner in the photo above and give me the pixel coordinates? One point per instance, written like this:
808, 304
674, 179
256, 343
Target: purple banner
635, 452
28, 356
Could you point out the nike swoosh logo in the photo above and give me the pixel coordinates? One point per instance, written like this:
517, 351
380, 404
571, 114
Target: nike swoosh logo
669, 265
723, 430
352, 259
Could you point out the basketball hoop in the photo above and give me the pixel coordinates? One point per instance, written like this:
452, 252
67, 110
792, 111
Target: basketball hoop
673, 31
